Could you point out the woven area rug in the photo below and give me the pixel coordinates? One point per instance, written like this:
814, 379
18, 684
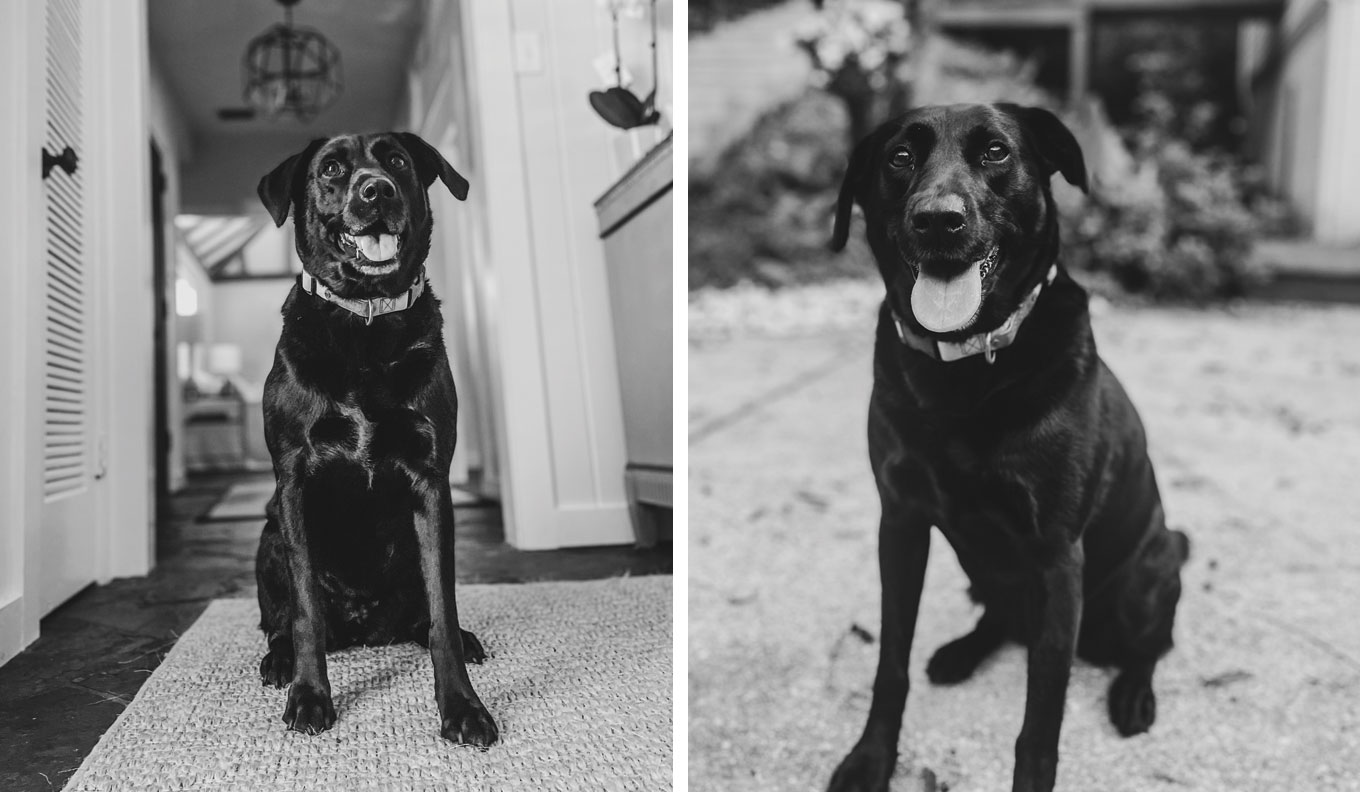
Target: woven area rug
579, 682
246, 501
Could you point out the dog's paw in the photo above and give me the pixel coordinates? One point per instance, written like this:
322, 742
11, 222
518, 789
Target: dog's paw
473, 651
955, 661
1133, 705
470, 725
276, 668
309, 710
863, 770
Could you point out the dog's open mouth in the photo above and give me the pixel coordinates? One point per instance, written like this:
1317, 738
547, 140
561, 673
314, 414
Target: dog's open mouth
946, 306
373, 249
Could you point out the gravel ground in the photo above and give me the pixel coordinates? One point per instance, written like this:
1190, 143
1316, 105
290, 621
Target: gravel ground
1254, 424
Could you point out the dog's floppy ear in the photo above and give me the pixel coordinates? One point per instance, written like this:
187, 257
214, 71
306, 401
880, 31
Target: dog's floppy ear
1054, 142
277, 188
855, 172
431, 164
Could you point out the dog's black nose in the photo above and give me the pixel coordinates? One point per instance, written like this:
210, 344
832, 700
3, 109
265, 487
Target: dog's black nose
377, 187
937, 222
939, 217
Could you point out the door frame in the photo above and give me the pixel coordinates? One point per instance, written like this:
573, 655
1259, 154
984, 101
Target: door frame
120, 194
21, 66
119, 249
161, 273
535, 516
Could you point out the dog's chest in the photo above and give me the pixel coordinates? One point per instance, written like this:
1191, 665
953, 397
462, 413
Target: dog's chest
985, 505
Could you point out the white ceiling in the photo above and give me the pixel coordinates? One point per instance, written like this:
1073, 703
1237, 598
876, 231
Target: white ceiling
197, 46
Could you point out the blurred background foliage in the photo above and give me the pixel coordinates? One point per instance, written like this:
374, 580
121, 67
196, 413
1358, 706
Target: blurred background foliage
1173, 212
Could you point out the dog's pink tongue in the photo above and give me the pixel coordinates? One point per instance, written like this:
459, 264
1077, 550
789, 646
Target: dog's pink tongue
379, 247
942, 306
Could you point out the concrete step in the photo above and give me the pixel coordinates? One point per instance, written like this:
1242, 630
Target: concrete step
1309, 271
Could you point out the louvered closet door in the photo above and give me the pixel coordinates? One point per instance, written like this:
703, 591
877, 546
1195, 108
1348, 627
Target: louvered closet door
69, 524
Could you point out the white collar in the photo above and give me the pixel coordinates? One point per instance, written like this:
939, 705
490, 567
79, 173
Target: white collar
368, 307
985, 344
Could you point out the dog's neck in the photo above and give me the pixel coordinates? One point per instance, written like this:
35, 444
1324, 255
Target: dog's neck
368, 307
986, 344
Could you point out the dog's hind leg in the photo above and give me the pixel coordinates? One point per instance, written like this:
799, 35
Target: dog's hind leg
957, 660
1147, 613
1132, 704
271, 577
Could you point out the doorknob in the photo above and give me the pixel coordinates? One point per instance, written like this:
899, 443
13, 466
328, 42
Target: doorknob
67, 160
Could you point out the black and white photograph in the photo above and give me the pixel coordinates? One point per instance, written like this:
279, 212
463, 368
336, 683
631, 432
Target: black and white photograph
984, 415
338, 419
1022, 400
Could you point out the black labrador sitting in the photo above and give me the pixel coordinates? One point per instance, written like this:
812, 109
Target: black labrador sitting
359, 418
993, 418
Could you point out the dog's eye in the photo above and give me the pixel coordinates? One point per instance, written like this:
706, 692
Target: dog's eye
331, 169
996, 152
397, 161
902, 158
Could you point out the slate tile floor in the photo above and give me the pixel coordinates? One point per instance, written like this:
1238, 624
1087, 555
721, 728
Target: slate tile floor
60, 695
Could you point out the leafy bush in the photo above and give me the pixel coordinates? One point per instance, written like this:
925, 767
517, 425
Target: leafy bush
1179, 229
857, 49
762, 213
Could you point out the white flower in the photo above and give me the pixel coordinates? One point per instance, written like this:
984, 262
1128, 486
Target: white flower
874, 33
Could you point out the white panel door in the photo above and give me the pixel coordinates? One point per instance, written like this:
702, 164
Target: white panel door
68, 539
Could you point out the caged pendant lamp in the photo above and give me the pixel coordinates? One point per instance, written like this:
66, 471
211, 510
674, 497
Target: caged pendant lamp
291, 70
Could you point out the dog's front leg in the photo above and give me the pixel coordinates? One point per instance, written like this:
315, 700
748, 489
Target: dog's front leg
903, 547
1054, 617
309, 707
463, 717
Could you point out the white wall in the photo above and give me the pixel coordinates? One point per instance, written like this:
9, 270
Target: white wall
1338, 213
1315, 107
246, 313
568, 155
1295, 127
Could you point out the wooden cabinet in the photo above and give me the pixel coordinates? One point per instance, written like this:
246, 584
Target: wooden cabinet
635, 224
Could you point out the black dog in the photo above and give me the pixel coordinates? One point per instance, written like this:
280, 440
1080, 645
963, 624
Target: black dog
359, 417
993, 418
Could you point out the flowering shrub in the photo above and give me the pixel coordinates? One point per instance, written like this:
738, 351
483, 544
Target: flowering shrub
1180, 229
857, 48
870, 35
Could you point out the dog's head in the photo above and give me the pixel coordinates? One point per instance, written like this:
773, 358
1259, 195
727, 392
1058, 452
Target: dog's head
958, 209
360, 208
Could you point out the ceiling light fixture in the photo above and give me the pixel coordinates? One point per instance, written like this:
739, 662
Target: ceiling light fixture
291, 70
